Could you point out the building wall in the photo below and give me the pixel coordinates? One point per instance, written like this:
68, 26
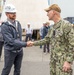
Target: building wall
30, 11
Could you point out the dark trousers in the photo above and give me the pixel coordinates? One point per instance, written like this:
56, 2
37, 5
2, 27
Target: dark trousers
46, 46
1, 45
11, 58
28, 36
40, 38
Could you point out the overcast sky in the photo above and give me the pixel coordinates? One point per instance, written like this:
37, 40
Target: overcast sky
67, 7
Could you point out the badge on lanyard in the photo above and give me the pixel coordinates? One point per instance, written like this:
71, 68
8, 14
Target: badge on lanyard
17, 30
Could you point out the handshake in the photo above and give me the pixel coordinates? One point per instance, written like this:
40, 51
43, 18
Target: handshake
30, 43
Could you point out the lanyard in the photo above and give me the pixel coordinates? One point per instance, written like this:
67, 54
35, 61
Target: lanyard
16, 26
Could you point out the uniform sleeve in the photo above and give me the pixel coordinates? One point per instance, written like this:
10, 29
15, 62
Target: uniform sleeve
43, 41
7, 35
69, 38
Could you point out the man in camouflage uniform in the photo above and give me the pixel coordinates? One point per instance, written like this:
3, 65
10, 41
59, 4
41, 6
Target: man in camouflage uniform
61, 39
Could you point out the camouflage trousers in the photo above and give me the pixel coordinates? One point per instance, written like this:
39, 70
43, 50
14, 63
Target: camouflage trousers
56, 69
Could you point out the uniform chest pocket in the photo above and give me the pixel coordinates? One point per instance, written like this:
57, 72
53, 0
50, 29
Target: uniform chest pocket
58, 33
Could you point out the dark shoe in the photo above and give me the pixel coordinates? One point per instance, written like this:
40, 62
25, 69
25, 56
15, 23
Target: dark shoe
48, 51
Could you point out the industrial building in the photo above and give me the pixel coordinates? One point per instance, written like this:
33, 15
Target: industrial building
32, 11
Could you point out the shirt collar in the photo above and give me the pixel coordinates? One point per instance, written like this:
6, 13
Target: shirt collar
10, 21
57, 25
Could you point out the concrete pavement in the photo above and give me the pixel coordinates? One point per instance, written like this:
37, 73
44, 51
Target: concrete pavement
35, 62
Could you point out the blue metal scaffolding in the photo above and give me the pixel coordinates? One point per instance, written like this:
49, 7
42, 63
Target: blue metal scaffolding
48, 2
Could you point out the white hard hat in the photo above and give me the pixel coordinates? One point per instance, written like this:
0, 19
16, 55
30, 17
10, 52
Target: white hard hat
28, 23
10, 8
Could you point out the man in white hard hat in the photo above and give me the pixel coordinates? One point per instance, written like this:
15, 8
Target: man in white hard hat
29, 32
12, 34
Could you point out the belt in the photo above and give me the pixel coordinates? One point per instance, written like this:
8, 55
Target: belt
17, 51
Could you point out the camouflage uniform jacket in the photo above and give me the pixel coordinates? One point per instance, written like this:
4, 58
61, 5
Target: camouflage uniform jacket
61, 39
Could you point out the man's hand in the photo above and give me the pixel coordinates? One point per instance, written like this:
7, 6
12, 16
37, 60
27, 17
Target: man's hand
66, 66
29, 43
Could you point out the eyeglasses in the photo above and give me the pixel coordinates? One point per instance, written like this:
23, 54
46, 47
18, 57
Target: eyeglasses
11, 12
